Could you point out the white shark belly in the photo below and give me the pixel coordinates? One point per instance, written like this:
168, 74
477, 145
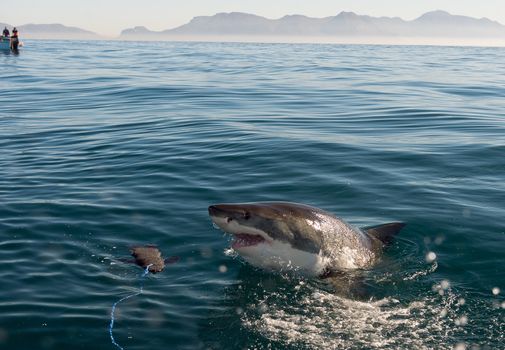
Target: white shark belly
279, 256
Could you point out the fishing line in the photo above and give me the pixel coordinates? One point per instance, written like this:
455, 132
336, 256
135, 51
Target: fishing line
144, 274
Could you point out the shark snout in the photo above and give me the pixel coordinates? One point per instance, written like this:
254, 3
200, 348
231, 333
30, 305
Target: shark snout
214, 210
219, 215
226, 210
222, 210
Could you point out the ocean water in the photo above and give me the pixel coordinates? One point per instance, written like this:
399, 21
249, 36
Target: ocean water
108, 145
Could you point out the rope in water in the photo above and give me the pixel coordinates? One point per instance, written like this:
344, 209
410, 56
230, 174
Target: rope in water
144, 274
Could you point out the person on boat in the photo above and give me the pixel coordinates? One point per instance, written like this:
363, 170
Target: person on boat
14, 39
6, 32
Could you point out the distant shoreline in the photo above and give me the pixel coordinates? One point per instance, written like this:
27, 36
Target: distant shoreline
445, 42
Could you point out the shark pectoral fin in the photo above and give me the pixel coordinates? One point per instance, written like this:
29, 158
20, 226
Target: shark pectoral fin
385, 232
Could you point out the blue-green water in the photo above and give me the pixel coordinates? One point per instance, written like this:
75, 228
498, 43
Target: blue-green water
105, 145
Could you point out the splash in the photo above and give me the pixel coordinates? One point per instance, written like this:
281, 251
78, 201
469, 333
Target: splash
317, 319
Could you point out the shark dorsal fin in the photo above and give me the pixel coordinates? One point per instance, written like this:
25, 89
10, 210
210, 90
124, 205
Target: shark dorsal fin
385, 232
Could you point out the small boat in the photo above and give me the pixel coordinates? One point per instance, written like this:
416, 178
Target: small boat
5, 43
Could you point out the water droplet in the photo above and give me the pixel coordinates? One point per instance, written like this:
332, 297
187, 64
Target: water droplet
503, 305
223, 269
230, 252
430, 257
496, 291
239, 311
461, 301
443, 313
460, 346
445, 284
462, 321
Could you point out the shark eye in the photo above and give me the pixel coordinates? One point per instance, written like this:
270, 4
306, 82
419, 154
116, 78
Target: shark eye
228, 220
247, 215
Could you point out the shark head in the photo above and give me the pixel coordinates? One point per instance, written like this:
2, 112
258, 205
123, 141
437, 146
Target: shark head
274, 236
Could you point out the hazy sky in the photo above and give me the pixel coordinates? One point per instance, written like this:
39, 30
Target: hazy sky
109, 17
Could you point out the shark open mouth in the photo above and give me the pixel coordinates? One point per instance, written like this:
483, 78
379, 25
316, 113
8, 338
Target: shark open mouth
242, 240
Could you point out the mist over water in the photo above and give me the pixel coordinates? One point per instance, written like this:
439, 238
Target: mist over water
105, 145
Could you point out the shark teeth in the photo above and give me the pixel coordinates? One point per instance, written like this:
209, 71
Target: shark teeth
242, 240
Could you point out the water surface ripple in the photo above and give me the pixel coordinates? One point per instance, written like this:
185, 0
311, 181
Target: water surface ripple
105, 145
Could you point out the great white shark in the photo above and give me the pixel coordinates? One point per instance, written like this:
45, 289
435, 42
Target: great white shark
283, 236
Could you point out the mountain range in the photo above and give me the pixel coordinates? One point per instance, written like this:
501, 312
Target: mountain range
52, 31
244, 26
345, 24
